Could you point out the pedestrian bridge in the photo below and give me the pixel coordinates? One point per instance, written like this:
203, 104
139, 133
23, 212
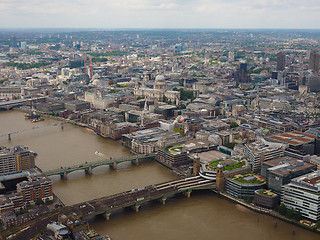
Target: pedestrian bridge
89, 166
135, 197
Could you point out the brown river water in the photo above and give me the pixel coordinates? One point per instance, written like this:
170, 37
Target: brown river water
203, 216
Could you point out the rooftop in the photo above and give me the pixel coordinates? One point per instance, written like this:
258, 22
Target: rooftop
259, 147
311, 181
286, 165
211, 156
249, 178
294, 138
266, 193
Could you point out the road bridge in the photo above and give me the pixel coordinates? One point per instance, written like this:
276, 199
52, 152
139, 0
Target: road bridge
89, 166
7, 105
135, 197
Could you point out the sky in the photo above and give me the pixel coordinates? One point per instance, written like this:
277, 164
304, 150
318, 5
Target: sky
281, 14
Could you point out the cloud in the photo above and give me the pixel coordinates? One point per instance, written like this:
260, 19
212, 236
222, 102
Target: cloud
160, 13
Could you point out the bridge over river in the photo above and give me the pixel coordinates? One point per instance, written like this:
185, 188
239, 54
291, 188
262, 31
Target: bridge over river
135, 197
89, 166
106, 205
7, 105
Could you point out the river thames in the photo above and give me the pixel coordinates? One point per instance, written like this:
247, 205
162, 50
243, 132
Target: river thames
203, 216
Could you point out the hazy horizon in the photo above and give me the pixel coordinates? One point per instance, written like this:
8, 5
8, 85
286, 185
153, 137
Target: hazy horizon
156, 14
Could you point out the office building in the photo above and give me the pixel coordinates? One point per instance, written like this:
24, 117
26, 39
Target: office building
260, 151
231, 56
244, 185
303, 194
313, 83
266, 198
16, 159
13, 42
23, 45
314, 61
243, 73
281, 61
280, 171
297, 141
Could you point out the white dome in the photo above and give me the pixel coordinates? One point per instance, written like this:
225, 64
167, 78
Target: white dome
96, 82
160, 78
96, 76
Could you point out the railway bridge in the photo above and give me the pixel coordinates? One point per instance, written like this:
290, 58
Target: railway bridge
135, 197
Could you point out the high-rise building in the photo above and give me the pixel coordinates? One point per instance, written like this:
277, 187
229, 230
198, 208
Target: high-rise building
243, 73
313, 83
13, 42
23, 45
231, 56
274, 75
314, 61
281, 61
16, 159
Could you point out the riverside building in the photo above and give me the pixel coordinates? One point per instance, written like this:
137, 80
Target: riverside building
303, 194
16, 159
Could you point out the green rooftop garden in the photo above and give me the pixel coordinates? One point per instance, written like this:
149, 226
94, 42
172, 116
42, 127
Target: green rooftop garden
234, 166
213, 164
248, 179
266, 193
227, 167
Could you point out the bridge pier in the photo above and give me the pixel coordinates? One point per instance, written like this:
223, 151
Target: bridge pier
136, 161
89, 170
188, 193
107, 215
136, 207
114, 165
9, 136
62, 127
64, 175
163, 200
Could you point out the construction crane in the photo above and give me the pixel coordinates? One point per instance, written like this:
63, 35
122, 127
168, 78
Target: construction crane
84, 62
90, 58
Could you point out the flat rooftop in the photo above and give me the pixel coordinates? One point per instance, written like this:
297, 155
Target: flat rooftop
249, 179
294, 138
212, 156
258, 147
312, 180
286, 165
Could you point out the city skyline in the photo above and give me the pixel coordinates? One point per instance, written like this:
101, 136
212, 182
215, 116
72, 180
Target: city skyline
110, 14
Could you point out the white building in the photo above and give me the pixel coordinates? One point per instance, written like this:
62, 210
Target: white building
261, 151
303, 194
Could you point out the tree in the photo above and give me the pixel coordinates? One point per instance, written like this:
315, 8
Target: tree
234, 125
282, 209
39, 201
178, 130
164, 99
182, 106
297, 215
290, 213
